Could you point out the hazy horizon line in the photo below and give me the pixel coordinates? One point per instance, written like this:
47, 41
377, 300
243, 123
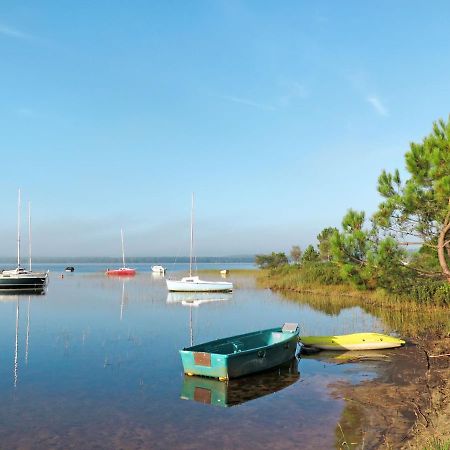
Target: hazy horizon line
37, 259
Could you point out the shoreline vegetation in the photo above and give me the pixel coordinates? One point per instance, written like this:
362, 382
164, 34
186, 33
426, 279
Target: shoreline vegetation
423, 368
396, 266
403, 251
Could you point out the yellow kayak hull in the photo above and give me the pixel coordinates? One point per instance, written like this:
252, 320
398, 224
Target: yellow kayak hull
355, 341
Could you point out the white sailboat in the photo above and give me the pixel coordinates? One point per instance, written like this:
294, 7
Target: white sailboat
194, 283
20, 278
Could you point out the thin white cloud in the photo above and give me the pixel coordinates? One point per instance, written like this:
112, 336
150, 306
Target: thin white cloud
245, 101
14, 33
377, 105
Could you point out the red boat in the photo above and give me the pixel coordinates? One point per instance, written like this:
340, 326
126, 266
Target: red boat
123, 271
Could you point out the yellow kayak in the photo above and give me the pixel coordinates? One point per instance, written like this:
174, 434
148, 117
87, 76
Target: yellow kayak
355, 341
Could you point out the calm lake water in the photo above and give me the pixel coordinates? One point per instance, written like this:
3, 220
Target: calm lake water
94, 363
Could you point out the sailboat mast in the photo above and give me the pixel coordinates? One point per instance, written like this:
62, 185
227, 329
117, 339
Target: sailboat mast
192, 237
29, 232
123, 251
18, 231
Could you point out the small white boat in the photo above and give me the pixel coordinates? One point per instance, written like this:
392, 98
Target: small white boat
194, 284
159, 269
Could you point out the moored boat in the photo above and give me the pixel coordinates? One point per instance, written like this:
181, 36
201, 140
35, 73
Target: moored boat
193, 283
122, 271
243, 354
355, 341
159, 269
20, 278
126, 271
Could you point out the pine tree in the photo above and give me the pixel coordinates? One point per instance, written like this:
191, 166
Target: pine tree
417, 211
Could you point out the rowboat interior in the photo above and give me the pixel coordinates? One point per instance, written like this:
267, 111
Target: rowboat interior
242, 343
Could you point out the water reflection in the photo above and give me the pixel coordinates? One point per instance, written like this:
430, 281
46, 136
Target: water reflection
196, 299
134, 402
241, 390
14, 294
407, 318
16, 348
124, 299
346, 357
17, 296
158, 275
27, 340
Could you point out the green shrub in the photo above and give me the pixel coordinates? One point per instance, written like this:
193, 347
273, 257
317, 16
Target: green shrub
321, 273
428, 291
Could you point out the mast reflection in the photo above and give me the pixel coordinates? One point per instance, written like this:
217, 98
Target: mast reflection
17, 295
194, 300
16, 348
28, 331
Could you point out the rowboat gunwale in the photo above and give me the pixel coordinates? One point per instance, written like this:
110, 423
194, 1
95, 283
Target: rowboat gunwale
253, 333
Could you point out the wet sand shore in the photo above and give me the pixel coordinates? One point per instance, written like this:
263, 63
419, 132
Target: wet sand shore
406, 407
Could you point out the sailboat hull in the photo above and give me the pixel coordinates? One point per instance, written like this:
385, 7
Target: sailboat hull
121, 272
20, 282
198, 286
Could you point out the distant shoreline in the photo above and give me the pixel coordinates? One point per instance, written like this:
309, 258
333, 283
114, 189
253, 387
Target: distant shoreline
130, 259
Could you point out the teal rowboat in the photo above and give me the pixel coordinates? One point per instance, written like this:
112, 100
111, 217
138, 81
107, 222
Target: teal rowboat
241, 390
241, 355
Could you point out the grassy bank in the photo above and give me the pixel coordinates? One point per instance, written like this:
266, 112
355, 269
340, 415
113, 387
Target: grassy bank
325, 278
410, 317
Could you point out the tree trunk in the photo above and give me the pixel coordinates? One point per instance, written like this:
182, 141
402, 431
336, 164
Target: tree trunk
447, 246
441, 252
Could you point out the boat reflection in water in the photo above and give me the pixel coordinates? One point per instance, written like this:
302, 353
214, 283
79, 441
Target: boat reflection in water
240, 390
12, 295
17, 296
196, 299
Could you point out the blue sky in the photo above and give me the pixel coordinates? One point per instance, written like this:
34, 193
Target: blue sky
279, 115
